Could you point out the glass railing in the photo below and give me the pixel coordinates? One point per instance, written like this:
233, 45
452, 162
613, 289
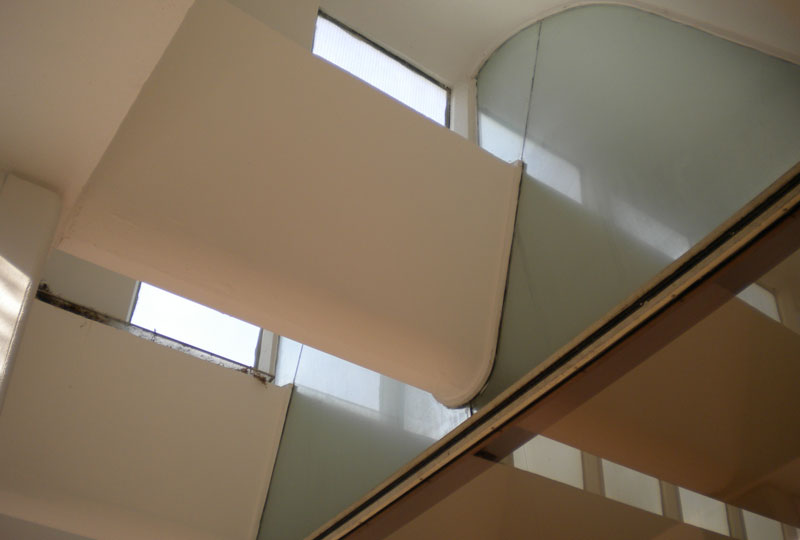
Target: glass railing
639, 137
347, 429
674, 420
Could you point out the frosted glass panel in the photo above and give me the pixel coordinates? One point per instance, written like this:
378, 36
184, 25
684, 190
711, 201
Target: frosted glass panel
643, 135
330, 455
672, 129
341, 380
347, 429
504, 89
373, 395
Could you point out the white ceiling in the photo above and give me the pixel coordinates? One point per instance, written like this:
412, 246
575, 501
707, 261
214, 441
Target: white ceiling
70, 72
450, 38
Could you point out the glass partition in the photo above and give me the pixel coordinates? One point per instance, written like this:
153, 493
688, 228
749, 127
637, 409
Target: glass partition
347, 430
698, 439
639, 136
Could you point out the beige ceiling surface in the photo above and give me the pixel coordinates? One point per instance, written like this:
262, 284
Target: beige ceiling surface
505, 503
451, 38
715, 411
70, 72
339, 218
295, 19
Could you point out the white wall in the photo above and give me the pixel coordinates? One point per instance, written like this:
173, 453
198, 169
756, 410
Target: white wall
28, 216
106, 435
71, 71
296, 19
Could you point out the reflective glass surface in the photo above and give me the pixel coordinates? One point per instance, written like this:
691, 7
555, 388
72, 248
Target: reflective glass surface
504, 92
641, 135
347, 429
698, 439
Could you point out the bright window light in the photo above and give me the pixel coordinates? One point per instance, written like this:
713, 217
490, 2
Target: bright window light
373, 66
631, 487
551, 459
703, 512
761, 299
761, 528
194, 324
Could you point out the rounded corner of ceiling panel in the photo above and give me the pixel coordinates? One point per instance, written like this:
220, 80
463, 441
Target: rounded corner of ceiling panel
461, 396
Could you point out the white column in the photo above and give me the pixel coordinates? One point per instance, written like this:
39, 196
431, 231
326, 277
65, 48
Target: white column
28, 218
463, 107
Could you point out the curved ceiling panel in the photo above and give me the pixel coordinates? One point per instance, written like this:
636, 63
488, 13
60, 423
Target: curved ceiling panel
264, 182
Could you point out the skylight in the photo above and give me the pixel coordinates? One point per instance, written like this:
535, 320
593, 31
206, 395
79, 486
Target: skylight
194, 324
372, 65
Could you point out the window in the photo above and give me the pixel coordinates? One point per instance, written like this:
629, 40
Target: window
631, 487
354, 54
703, 512
761, 299
194, 324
